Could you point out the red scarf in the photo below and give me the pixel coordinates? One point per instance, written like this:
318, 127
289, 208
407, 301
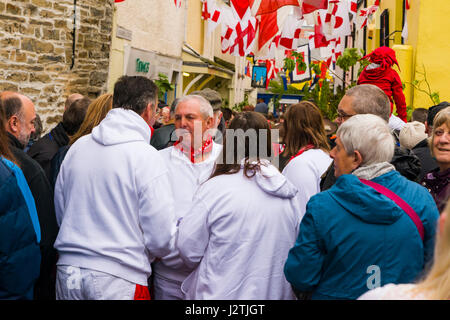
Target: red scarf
204, 150
308, 147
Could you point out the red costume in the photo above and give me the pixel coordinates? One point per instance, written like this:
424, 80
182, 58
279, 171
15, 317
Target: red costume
384, 77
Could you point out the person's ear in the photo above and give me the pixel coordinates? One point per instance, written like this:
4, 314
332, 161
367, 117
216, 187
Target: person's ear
357, 159
14, 124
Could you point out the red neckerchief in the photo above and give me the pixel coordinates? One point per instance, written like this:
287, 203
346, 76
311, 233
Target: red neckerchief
308, 147
204, 150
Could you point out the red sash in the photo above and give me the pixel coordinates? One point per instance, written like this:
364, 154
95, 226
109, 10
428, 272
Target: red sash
205, 149
141, 293
308, 147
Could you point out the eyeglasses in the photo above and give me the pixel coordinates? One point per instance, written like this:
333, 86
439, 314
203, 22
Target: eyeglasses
342, 115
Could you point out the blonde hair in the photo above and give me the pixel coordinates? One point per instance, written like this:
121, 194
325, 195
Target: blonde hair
436, 283
442, 117
95, 113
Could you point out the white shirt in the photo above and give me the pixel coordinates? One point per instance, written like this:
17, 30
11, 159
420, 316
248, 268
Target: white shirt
185, 177
304, 172
395, 123
237, 236
113, 200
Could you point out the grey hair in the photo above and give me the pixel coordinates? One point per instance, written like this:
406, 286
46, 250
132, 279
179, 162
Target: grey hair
368, 98
205, 107
370, 135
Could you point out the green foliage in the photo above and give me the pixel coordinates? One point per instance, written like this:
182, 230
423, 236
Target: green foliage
239, 106
350, 57
316, 68
409, 111
324, 98
163, 85
417, 84
296, 58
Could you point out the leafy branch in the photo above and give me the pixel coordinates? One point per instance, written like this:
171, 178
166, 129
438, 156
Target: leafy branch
434, 96
163, 85
295, 60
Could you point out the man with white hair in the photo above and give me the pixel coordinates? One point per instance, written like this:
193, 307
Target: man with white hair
190, 162
371, 228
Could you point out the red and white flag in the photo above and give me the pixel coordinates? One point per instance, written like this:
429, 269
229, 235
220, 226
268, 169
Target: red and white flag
368, 12
211, 14
405, 27
271, 71
353, 6
177, 3
309, 6
238, 31
336, 21
291, 32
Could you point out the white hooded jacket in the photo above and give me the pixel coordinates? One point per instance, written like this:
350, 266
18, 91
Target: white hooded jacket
185, 178
237, 236
113, 200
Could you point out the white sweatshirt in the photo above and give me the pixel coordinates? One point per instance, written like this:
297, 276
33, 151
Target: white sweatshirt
185, 178
113, 200
304, 172
237, 236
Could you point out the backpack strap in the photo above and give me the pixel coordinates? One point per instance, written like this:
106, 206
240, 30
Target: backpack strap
399, 201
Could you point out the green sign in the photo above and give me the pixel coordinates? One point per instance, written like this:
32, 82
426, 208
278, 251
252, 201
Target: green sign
142, 66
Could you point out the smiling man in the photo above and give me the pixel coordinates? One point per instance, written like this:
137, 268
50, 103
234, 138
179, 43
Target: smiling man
190, 162
353, 236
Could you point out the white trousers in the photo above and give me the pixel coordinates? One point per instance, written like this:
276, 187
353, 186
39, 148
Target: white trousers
165, 289
74, 283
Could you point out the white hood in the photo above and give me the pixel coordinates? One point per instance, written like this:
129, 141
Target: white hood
273, 182
121, 126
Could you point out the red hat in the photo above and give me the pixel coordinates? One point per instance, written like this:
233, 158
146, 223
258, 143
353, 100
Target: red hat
383, 56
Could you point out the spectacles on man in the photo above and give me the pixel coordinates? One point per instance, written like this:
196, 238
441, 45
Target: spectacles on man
343, 116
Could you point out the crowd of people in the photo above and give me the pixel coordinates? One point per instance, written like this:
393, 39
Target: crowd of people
130, 198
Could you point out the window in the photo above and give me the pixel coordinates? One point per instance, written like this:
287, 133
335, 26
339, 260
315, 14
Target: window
384, 28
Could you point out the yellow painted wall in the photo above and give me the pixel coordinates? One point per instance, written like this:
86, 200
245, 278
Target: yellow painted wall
195, 26
433, 49
395, 8
429, 39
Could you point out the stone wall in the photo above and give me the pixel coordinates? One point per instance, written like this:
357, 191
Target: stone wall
36, 51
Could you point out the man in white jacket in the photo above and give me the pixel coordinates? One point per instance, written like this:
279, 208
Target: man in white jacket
114, 203
190, 163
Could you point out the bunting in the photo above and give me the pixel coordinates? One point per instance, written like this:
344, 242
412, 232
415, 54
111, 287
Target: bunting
405, 26
177, 3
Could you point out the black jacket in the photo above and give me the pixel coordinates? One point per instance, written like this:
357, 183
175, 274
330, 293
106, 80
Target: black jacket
404, 161
56, 164
43, 197
45, 148
422, 151
162, 137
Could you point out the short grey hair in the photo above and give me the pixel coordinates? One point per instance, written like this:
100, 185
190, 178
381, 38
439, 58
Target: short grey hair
370, 135
205, 107
369, 99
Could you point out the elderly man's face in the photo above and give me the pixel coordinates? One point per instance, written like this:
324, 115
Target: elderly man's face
26, 121
345, 109
189, 118
343, 163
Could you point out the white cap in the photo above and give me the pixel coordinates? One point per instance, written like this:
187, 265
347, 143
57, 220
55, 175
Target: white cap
411, 134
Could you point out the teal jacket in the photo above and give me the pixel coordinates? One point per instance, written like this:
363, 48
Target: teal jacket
353, 238
20, 235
